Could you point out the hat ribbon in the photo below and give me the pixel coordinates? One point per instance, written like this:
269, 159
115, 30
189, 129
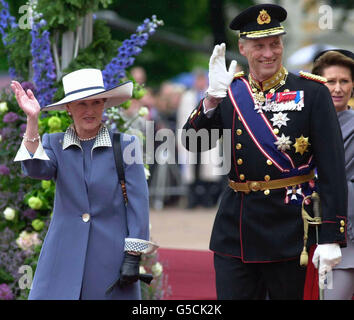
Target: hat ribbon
85, 89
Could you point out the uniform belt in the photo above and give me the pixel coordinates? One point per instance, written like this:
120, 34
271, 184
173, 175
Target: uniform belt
249, 186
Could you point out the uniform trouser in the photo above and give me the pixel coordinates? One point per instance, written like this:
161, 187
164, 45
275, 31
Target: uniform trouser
342, 285
236, 280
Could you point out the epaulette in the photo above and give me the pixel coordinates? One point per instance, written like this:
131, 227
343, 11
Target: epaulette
239, 74
312, 76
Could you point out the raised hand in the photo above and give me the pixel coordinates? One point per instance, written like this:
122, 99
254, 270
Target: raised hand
219, 77
26, 100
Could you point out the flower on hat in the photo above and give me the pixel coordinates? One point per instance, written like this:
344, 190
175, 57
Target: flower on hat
9, 214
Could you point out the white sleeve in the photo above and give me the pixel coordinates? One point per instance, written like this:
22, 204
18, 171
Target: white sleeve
23, 153
210, 112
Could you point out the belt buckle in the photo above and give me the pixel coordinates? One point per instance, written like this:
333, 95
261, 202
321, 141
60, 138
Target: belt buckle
254, 186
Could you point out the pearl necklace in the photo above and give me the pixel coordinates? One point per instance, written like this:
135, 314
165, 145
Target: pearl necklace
87, 139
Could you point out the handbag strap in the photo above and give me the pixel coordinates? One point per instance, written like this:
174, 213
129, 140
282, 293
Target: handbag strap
118, 157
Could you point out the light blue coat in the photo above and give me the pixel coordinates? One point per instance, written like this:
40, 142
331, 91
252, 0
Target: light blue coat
88, 255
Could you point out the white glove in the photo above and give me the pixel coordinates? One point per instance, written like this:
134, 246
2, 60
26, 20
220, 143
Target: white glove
325, 257
219, 77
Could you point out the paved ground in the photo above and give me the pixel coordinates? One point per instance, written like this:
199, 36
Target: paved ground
177, 228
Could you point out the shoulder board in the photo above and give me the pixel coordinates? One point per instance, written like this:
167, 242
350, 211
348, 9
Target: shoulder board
312, 76
239, 74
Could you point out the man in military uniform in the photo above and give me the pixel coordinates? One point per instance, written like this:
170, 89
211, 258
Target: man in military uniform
283, 130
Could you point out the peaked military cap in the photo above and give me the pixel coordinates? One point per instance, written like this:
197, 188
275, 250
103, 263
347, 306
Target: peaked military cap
347, 53
260, 21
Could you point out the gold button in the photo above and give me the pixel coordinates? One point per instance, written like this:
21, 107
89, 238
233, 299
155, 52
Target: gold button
286, 90
267, 192
198, 113
86, 217
238, 146
239, 161
266, 178
276, 131
238, 132
269, 163
341, 229
242, 176
239, 118
342, 223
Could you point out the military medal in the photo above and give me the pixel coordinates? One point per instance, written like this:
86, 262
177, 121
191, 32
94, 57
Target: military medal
301, 144
283, 143
294, 192
280, 119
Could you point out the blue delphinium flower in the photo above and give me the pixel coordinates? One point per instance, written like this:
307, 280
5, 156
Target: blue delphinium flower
43, 64
7, 21
115, 70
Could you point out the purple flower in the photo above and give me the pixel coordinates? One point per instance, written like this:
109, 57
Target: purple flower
28, 85
4, 170
23, 128
114, 71
5, 292
30, 214
43, 64
10, 117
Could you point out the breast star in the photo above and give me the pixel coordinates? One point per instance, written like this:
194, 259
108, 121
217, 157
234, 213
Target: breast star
301, 144
280, 119
283, 143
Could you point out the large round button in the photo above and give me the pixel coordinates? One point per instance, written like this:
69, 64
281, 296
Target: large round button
267, 178
341, 229
267, 192
242, 176
342, 223
238, 146
238, 132
86, 217
239, 161
269, 162
276, 131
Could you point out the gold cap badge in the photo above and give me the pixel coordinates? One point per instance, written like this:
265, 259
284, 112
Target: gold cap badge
263, 17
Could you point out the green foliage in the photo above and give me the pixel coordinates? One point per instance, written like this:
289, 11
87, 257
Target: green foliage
20, 56
65, 14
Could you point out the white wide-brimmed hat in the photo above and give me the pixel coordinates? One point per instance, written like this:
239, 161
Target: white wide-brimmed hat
87, 84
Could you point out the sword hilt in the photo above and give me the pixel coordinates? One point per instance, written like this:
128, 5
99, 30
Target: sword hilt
316, 209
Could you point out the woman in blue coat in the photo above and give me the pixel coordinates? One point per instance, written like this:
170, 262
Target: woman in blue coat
93, 237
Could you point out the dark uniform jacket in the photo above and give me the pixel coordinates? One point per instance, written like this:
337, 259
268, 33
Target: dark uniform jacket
265, 226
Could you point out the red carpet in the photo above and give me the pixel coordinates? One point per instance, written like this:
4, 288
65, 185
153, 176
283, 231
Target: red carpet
190, 274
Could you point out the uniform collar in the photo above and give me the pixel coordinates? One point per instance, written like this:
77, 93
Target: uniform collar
270, 83
103, 138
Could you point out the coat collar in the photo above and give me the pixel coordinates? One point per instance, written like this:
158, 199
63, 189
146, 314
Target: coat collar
103, 138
